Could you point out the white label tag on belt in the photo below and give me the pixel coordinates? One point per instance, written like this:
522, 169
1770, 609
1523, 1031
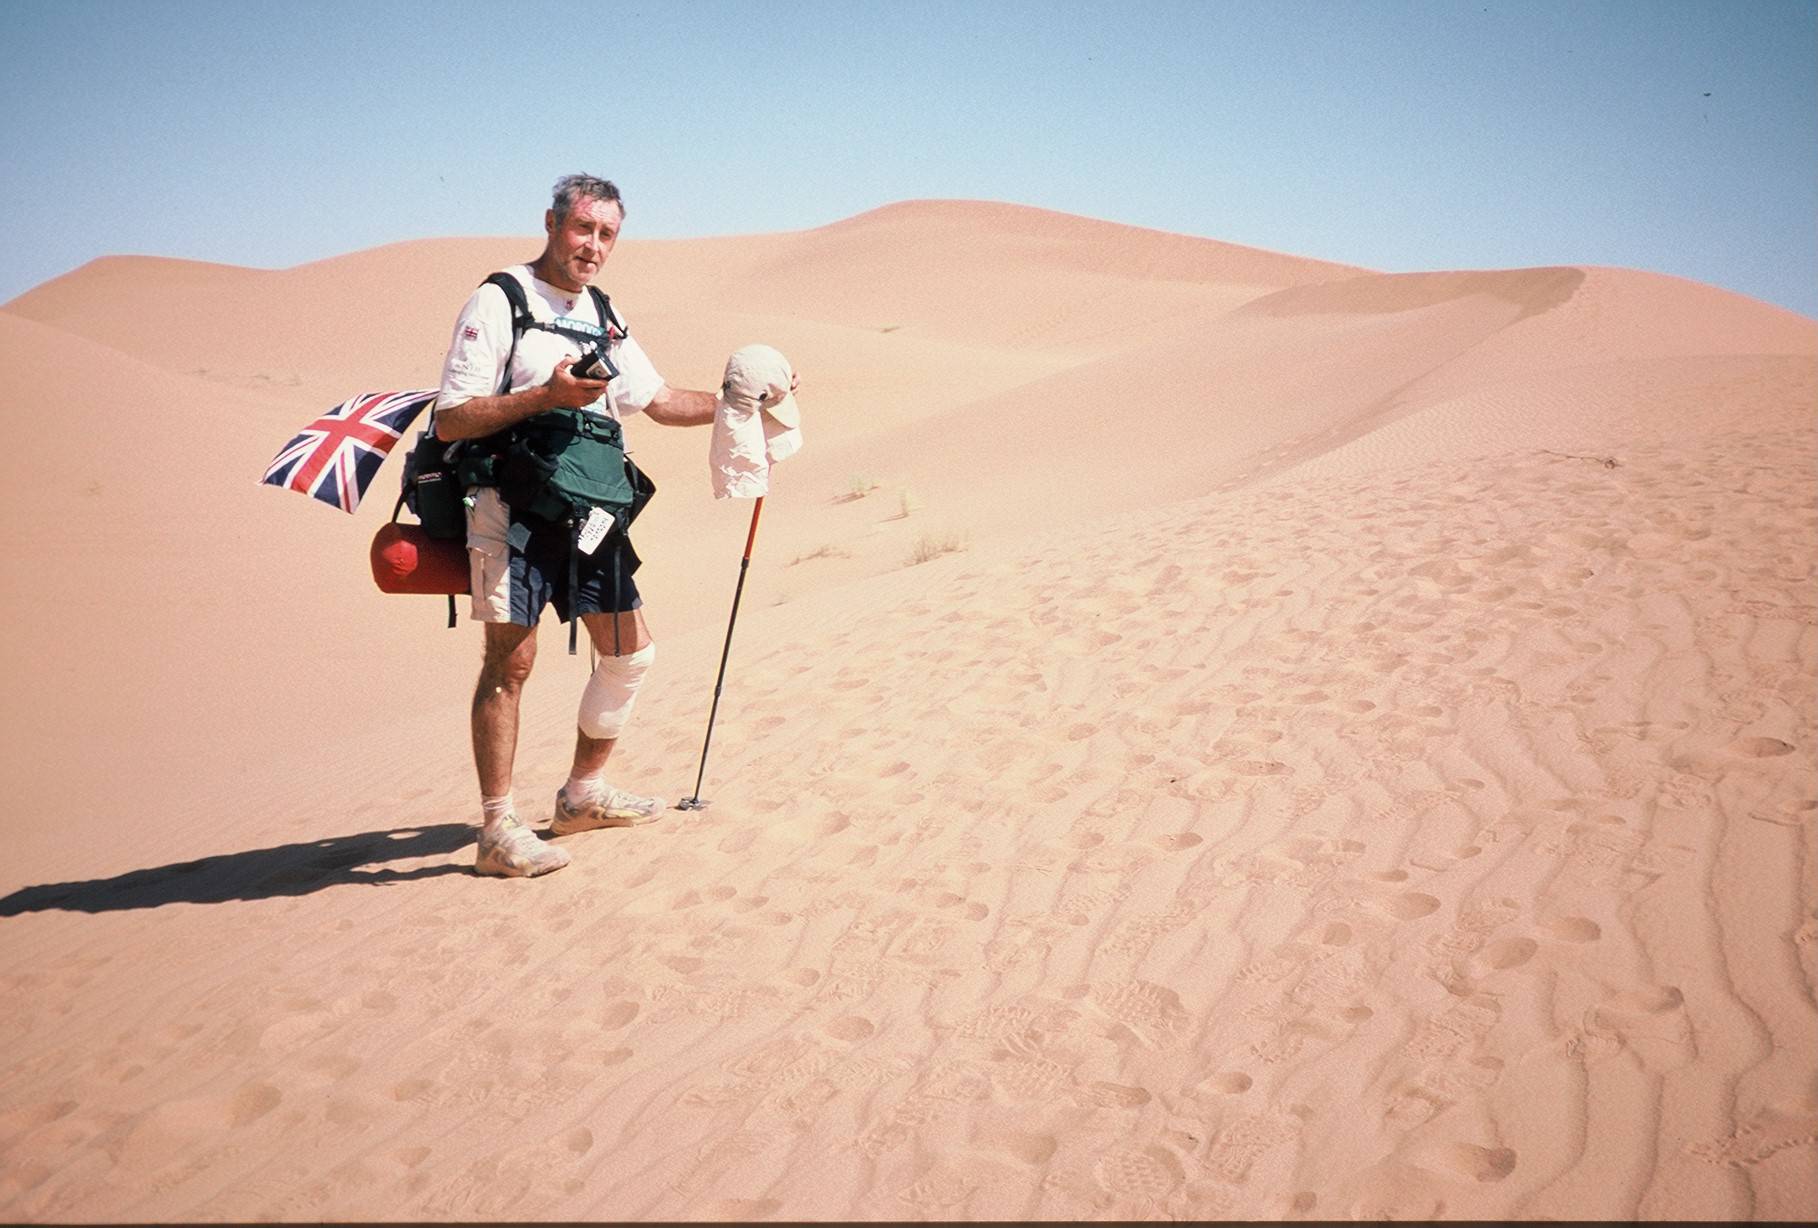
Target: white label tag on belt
518, 536
594, 529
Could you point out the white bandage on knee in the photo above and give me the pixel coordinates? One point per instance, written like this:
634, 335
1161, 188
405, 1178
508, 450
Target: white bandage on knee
606, 703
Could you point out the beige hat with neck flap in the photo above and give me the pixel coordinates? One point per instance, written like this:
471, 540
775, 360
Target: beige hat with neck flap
758, 377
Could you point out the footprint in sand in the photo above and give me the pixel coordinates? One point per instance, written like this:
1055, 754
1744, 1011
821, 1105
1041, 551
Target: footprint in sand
1774, 1128
1409, 906
1114, 1096
1648, 1021
251, 1102
1761, 748
850, 1028
1638, 1003
738, 841
1482, 916
1178, 842
1574, 929
1445, 859
1229, 1083
1707, 762
1146, 1176
1791, 814
336, 1066
1033, 1149
1153, 1013
1480, 1164
1501, 955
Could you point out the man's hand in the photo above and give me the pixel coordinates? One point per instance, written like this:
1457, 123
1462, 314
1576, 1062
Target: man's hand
486, 415
688, 407
568, 391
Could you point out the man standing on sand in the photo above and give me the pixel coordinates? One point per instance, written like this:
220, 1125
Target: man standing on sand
520, 562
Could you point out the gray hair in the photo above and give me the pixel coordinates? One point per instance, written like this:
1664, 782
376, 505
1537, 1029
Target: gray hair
571, 190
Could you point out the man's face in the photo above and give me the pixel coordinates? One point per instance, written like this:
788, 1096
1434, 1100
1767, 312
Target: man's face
580, 242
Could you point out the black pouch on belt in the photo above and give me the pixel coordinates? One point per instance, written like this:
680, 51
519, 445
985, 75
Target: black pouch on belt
432, 489
523, 476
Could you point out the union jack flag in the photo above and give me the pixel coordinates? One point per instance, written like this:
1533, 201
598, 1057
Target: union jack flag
335, 457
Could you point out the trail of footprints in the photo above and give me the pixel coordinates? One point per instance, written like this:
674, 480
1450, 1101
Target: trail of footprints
1143, 1082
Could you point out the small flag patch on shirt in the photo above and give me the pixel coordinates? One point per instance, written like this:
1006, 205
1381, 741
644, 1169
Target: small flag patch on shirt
470, 333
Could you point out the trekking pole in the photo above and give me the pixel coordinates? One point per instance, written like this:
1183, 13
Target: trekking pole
694, 802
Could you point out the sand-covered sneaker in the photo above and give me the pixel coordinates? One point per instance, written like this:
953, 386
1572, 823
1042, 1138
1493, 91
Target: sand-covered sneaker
609, 808
514, 851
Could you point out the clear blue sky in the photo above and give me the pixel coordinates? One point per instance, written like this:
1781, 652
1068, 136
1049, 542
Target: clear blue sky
1674, 135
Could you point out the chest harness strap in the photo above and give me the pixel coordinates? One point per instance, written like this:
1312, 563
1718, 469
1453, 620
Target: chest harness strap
613, 329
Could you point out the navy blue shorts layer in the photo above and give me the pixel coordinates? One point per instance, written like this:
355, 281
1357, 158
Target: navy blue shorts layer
514, 578
539, 577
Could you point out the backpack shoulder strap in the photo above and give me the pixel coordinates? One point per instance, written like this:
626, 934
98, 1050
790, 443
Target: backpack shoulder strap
521, 319
514, 294
609, 319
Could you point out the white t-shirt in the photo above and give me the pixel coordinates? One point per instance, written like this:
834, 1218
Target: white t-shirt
482, 338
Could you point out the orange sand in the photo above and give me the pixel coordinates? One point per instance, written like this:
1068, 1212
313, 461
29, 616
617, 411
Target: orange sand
1357, 761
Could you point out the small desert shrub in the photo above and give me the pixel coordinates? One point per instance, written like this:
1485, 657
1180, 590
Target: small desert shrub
933, 545
824, 552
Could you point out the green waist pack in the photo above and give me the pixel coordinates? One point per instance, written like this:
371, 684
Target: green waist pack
557, 465
553, 467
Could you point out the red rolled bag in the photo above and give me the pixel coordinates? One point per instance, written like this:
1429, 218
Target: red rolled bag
405, 559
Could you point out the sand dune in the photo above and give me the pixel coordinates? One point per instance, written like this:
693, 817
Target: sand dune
1358, 761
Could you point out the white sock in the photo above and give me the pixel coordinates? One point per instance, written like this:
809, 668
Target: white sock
494, 811
582, 788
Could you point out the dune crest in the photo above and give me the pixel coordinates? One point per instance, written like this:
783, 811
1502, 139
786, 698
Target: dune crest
1211, 734
1530, 291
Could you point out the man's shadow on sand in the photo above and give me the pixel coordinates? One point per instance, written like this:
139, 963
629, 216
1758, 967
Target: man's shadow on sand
257, 874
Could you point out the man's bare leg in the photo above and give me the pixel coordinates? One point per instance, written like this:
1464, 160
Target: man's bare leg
507, 848
511, 651
590, 754
586, 801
